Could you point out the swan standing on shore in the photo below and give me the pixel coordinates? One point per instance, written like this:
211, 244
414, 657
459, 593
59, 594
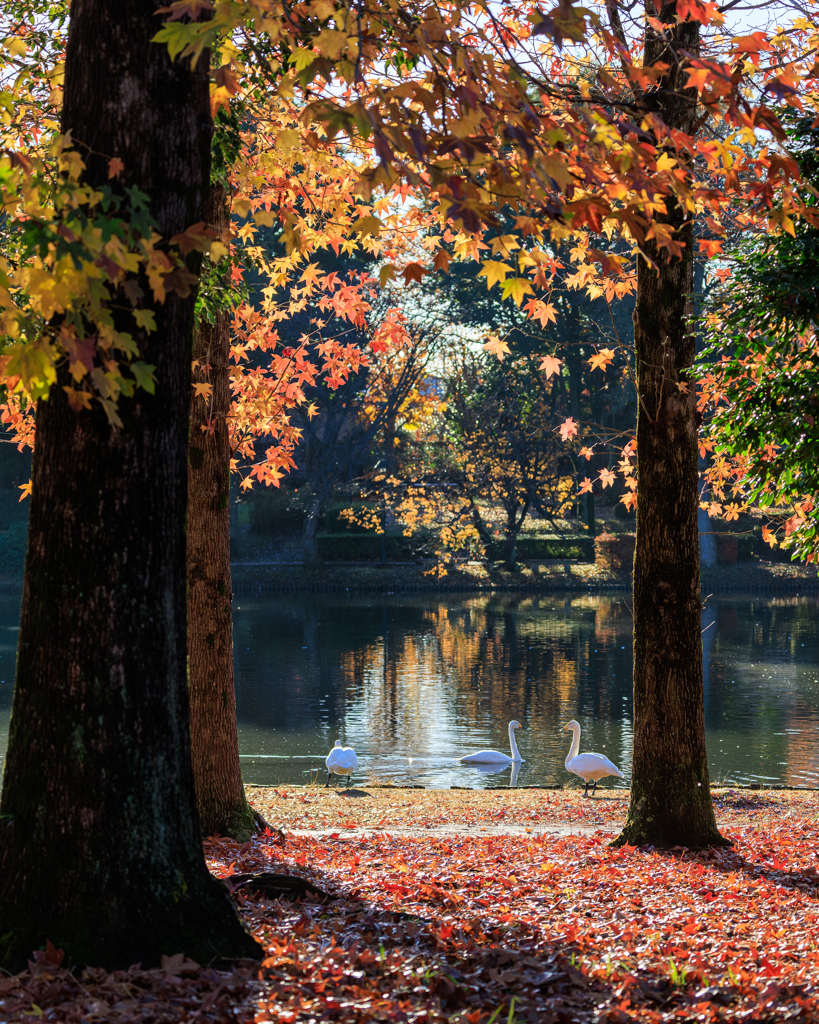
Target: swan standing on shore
341, 761
495, 756
590, 767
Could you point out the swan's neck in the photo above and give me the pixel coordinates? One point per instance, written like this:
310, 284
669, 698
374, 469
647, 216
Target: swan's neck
513, 745
575, 747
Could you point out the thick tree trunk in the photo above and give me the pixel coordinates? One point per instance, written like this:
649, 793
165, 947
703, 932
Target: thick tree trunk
670, 796
100, 848
217, 773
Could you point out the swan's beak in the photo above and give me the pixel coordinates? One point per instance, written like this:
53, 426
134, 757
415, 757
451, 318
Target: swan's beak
565, 727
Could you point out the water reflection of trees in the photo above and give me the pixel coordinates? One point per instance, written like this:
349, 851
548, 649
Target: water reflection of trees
436, 676
763, 685
428, 676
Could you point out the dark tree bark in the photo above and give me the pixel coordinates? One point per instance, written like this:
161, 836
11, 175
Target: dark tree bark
220, 795
100, 847
670, 795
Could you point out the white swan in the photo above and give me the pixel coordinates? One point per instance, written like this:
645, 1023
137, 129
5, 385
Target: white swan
590, 767
495, 756
341, 761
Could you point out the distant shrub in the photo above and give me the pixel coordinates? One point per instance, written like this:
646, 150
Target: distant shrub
364, 547
575, 548
274, 513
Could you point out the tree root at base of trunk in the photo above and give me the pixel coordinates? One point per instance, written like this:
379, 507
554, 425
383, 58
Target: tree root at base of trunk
264, 826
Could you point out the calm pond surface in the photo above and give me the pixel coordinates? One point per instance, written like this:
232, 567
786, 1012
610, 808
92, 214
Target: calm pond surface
433, 677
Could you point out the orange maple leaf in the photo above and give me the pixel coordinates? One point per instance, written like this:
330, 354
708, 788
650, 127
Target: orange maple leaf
586, 453
601, 359
496, 346
442, 260
26, 489
586, 486
540, 310
312, 272
227, 79
115, 167
696, 10
551, 366
568, 428
197, 236
606, 478
710, 246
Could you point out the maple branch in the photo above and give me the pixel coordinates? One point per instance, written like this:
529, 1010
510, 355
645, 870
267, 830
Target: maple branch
620, 35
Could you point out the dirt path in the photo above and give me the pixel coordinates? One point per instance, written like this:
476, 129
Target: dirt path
425, 813
453, 831
440, 813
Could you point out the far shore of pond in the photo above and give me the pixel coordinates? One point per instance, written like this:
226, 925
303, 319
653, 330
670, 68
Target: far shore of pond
547, 576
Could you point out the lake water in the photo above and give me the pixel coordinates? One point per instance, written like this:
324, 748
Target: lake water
432, 677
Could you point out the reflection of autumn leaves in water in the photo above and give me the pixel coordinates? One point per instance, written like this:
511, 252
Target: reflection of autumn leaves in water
471, 664
436, 677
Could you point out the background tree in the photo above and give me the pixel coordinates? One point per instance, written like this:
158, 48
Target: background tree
502, 424
220, 796
99, 843
763, 385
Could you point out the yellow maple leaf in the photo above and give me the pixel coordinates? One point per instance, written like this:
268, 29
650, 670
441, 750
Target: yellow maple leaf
516, 288
203, 390
504, 244
494, 271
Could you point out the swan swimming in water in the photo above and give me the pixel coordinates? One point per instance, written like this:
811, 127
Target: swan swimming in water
341, 761
590, 767
495, 756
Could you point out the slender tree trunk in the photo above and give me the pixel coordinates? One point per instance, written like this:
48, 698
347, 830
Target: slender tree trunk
670, 795
477, 521
217, 773
513, 527
312, 555
588, 512
100, 849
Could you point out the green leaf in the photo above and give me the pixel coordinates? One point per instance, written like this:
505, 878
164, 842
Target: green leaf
145, 319
144, 376
301, 58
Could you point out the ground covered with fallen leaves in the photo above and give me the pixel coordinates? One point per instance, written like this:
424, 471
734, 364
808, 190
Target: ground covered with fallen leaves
419, 811
469, 927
